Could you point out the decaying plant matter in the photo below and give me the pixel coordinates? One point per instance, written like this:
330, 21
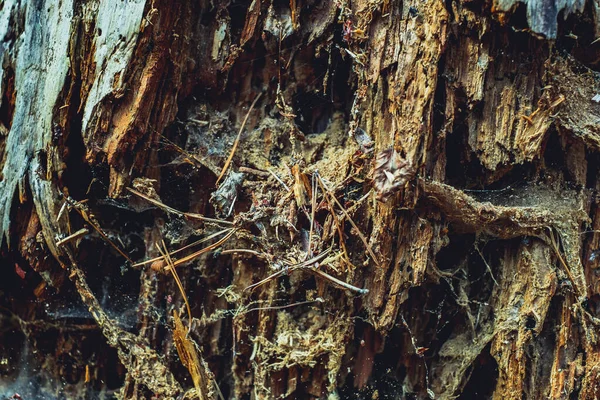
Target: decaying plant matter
300, 199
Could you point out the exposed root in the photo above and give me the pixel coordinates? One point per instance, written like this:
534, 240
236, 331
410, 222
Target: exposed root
498, 221
508, 222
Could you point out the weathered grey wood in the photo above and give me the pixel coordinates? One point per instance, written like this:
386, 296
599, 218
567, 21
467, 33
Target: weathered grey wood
38, 54
543, 15
117, 26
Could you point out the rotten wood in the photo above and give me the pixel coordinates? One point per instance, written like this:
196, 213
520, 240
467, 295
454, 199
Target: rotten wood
454, 153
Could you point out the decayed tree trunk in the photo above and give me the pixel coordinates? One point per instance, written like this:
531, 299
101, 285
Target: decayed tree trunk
393, 199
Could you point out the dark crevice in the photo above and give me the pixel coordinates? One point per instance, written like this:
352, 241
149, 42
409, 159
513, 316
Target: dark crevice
576, 35
237, 13
7, 106
452, 255
484, 375
518, 18
314, 112
463, 168
438, 125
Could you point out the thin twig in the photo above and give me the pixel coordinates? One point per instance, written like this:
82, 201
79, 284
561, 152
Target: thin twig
73, 236
278, 179
337, 281
254, 171
237, 140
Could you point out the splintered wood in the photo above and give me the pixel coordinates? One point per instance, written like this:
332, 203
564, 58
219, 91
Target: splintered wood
191, 359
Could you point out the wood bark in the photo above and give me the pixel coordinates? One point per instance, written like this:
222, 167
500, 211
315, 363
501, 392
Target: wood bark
418, 178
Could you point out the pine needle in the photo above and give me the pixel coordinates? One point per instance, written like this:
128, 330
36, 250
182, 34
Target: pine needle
171, 210
300, 303
237, 140
360, 234
235, 251
204, 250
189, 156
167, 257
337, 281
90, 219
289, 269
267, 279
313, 205
197, 242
